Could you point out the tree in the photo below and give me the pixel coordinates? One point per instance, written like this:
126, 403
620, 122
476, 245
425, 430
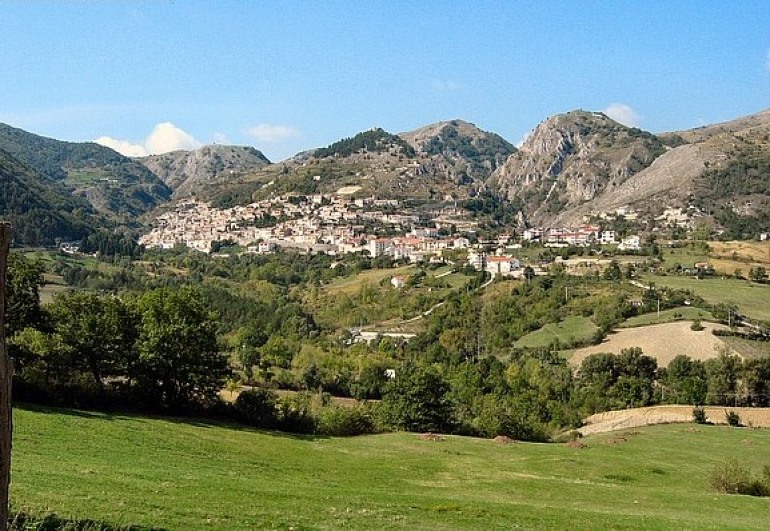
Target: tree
416, 400
685, 381
22, 304
179, 363
723, 373
99, 330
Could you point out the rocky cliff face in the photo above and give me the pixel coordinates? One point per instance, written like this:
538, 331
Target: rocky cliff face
572, 158
185, 172
719, 167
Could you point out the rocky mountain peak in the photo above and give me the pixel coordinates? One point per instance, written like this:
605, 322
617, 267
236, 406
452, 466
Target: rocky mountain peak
186, 171
571, 158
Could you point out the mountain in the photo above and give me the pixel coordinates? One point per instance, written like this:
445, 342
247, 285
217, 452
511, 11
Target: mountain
40, 210
462, 147
445, 160
722, 170
185, 172
571, 159
114, 185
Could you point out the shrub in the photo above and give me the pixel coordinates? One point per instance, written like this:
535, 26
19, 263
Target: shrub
699, 415
696, 326
733, 419
344, 421
294, 413
733, 478
257, 407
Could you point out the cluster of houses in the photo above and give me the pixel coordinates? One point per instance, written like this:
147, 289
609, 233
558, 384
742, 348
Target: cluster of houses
580, 236
341, 224
332, 224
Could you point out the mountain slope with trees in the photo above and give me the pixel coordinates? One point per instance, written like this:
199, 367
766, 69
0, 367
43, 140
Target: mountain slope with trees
445, 160
41, 211
115, 185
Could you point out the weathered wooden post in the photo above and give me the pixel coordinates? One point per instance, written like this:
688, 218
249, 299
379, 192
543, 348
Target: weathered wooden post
6, 373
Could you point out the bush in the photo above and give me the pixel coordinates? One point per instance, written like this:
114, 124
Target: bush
733, 419
696, 326
257, 407
344, 421
733, 478
294, 413
699, 415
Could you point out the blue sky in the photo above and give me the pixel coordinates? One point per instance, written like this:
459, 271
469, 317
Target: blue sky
149, 76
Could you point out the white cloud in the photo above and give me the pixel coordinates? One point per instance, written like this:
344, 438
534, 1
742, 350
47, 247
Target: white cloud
164, 137
272, 133
620, 112
123, 147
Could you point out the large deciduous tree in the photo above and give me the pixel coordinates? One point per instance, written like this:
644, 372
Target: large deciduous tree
417, 400
99, 330
179, 362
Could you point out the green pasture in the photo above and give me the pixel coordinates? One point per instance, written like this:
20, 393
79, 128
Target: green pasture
180, 474
750, 298
573, 328
370, 277
685, 313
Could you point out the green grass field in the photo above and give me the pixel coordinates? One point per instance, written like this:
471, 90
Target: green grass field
667, 316
751, 299
190, 475
570, 329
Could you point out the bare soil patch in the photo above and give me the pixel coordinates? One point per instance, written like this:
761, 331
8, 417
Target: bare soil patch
430, 437
504, 439
662, 341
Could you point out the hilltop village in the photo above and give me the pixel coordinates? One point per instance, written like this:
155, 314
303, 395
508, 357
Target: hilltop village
339, 224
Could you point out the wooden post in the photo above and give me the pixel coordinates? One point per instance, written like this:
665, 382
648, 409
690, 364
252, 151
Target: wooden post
6, 373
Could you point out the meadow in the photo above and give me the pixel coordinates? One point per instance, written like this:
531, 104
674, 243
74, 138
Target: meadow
182, 474
750, 298
565, 332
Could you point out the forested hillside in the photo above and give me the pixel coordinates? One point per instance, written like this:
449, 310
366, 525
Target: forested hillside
41, 211
115, 185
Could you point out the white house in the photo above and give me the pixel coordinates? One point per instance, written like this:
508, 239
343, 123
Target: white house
501, 265
630, 243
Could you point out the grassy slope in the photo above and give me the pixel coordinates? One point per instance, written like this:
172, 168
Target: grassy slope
570, 329
194, 476
751, 299
687, 313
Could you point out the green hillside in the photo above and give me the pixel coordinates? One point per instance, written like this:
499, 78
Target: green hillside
113, 184
40, 210
195, 475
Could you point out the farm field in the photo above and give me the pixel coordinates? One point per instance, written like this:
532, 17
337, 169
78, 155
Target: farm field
195, 475
569, 330
662, 341
644, 416
751, 299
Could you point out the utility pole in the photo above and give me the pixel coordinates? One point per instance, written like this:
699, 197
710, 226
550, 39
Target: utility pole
6, 373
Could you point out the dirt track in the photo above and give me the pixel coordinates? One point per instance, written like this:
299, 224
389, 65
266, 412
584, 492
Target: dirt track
663, 342
634, 418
